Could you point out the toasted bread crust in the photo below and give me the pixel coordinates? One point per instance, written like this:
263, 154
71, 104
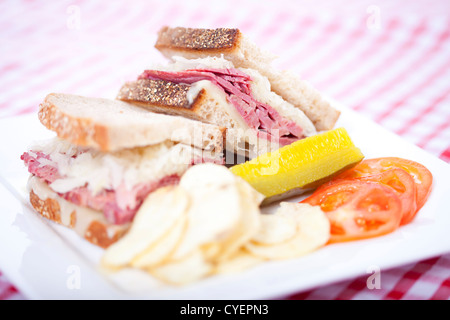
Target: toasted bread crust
79, 131
156, 92
192, 39
96, 232
163, 97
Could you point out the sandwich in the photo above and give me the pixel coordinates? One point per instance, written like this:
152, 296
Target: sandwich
226, 80
107, 156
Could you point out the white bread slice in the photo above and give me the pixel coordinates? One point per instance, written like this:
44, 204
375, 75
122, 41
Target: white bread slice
193, 43
110, 125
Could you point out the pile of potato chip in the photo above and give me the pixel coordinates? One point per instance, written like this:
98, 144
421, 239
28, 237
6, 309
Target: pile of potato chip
211, 223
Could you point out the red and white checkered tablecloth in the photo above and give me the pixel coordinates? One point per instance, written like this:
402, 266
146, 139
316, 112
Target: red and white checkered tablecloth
389, 60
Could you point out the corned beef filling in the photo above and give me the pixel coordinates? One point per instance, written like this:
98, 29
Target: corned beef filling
119, 206
236, 85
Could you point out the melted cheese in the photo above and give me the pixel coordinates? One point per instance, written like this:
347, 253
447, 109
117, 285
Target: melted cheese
85, 216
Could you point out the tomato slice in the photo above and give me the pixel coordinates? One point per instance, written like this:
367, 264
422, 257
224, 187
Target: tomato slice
402, 183
358, 209
421, 175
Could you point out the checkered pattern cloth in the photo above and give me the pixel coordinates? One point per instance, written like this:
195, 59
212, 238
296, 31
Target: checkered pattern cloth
389, 60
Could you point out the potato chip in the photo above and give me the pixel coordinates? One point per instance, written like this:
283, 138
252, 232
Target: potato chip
205, 175
313, 231
238, 262
181, 272
151, 222
275, 228
161, 250
249, 219
215, 209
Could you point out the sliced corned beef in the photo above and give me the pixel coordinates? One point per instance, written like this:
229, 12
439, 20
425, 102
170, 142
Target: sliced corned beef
119, 206
237, 87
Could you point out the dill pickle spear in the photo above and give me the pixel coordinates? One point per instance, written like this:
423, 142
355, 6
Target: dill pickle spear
300, 166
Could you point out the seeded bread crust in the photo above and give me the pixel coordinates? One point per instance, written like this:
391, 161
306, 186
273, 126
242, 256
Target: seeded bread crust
165, 97
98, 232
193, 43
192, 39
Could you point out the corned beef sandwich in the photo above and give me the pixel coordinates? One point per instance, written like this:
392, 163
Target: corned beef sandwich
227, 80
106, 158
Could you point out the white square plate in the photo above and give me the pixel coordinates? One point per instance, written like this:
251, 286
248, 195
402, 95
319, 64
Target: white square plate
48, 261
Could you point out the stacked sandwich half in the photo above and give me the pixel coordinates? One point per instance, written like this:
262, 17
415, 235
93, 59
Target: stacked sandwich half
106, 158
227, 80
